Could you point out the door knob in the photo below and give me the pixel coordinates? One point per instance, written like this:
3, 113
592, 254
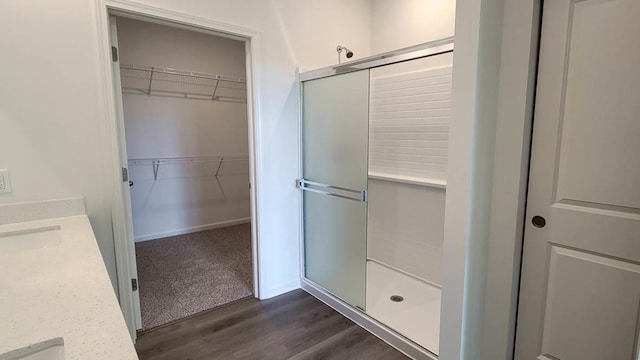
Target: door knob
538, 221
130, 183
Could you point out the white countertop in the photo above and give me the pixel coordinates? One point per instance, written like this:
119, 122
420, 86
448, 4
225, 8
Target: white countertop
62, 290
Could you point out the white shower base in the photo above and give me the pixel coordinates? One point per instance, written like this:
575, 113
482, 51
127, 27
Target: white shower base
417, 317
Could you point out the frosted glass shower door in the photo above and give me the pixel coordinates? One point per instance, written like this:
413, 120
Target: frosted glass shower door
335, 132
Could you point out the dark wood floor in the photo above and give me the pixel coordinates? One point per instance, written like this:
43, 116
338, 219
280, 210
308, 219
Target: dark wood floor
291, 326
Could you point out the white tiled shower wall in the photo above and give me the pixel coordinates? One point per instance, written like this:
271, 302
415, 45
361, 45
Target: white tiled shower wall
410, 111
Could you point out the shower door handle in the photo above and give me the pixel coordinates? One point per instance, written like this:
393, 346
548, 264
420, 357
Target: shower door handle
331, 190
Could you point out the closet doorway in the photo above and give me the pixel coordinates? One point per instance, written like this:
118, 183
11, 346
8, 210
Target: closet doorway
185, 135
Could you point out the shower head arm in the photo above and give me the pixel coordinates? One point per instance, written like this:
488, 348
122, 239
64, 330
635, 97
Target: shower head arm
339, 49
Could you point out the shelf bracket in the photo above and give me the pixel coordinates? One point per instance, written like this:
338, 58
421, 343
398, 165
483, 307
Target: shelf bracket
219, 166
215, 89
156, 167
224, 196
150, 80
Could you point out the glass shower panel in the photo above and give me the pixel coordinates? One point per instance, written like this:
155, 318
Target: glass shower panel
335, 150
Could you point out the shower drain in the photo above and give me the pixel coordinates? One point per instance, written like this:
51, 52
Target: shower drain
396, 298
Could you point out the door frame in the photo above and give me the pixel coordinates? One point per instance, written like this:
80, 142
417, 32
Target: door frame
124, 249
495, 68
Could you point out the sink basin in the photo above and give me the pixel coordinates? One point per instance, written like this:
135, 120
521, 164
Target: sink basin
52, 349
30, 239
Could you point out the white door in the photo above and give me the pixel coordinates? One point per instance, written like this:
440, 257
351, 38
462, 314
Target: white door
113, 36
580, 290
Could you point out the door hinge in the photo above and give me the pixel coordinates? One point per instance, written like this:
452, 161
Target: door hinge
134, 284
114, 53
125, 175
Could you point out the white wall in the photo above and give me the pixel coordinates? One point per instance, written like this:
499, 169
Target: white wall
471, 153
400, 23
148, 43
52, 111
518, 65
184, 197
406, 227
315, 28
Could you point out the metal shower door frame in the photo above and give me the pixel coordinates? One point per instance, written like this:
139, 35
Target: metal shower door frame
389, 335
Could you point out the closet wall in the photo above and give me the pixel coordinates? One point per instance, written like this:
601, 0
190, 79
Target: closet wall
184, 197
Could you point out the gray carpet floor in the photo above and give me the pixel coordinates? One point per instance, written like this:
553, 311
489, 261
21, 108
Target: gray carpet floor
183, 275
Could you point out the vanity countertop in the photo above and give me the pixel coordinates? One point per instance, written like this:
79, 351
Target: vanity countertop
61, 290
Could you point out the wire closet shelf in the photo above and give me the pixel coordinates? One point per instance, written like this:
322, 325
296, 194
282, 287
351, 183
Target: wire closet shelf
156, 162
169, 82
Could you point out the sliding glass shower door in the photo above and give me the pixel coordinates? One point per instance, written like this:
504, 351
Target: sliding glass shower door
335, 130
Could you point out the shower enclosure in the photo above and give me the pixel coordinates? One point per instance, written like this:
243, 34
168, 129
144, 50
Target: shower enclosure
374, 147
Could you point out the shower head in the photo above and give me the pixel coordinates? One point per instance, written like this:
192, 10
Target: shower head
348, 53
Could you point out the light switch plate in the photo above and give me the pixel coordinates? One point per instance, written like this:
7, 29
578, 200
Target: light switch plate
5, 181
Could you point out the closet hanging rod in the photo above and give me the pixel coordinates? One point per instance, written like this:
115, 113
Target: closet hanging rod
187, 73
186, 159
182, 95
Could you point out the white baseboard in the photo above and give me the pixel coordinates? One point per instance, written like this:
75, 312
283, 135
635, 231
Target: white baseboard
279, 290
191, 229
376, 328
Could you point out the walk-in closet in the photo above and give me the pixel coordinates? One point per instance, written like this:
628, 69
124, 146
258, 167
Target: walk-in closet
184, 99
